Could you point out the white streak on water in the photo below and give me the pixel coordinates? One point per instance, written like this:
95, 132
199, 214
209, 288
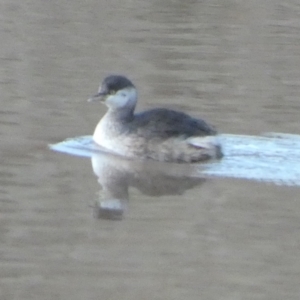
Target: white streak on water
273, 157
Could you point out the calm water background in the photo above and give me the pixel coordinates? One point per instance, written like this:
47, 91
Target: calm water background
235, 63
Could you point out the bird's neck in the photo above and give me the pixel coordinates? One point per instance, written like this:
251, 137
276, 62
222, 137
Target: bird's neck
121, 116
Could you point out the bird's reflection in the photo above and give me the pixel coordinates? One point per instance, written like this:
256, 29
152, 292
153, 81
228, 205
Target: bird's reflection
273, 157
116, 175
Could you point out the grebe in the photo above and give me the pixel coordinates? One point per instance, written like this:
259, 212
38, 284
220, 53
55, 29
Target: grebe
159, 134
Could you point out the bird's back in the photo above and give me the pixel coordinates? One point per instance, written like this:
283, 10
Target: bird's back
164, 123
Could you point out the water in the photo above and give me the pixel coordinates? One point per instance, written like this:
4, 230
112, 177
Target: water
236, 64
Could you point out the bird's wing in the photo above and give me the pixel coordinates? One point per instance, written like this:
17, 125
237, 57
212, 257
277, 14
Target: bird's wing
165, 123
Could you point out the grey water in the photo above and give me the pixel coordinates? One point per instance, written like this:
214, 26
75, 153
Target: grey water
234, 63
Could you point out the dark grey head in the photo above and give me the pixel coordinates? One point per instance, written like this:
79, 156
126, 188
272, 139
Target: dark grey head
114, 83
117, 92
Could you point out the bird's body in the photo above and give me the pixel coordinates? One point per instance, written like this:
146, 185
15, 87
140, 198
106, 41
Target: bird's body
159, 134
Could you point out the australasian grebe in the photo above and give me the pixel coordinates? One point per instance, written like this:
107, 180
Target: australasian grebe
159, 134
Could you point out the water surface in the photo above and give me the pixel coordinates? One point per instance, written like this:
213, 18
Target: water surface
235, 64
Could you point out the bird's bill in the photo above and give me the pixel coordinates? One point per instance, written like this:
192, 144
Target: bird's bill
97, 97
